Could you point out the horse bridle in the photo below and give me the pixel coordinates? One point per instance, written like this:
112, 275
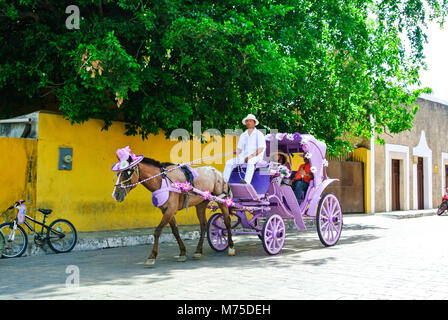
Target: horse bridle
130, 172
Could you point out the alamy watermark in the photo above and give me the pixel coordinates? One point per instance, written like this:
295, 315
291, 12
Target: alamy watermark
216, 144
72, 21
72, 280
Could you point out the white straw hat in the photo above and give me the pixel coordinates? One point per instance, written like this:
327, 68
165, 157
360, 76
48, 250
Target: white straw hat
250, 116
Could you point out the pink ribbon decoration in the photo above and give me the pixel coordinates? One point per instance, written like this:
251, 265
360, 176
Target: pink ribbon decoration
207, 194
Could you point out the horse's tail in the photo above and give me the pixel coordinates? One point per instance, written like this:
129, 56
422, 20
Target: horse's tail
225, 187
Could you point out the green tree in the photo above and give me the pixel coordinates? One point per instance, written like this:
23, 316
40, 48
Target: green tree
321, 66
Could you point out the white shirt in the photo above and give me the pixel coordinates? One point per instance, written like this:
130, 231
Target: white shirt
249, 144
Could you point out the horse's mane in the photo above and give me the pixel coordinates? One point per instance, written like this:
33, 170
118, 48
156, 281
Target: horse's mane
156, 163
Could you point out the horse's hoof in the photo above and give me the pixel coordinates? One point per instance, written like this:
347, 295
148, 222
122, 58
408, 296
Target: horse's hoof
197, 255
150, 262
232, 251
182, 259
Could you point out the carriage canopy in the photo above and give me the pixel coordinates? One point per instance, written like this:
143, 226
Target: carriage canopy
307, 144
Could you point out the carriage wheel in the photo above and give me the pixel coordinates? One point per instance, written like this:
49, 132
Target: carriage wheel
273, 234
329, 219
217, 233
442, 208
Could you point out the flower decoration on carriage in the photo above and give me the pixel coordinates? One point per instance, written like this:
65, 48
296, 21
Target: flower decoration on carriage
186, 186
304, 141
297, 136
228, 202
206, 195
279, 136
305, 148
177, 185
290, 137
325, 163
313, 169
308, 155
283, 171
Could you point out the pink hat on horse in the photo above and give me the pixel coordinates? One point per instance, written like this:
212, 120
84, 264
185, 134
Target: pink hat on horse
123, 155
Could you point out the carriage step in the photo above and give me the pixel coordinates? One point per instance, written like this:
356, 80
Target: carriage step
244, 192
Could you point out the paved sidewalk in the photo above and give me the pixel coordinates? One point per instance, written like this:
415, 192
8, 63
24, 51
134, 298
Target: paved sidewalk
376, 258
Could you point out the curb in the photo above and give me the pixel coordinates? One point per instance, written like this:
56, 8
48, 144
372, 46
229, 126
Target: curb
88, 241
408, 214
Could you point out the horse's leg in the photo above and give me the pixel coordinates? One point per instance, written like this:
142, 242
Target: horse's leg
168, 214
200, 212
183, 250
227, 220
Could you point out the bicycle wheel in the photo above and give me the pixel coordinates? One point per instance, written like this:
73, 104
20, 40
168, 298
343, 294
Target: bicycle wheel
16, 240
2, 243
61, 236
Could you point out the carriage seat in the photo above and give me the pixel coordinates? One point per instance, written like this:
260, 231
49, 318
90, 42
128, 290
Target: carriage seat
260, 179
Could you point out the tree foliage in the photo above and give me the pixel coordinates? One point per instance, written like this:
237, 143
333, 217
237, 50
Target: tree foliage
316, 66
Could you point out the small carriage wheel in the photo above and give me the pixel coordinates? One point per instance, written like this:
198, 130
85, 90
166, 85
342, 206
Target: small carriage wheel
273, 234
442, 208
217, 233
329, 219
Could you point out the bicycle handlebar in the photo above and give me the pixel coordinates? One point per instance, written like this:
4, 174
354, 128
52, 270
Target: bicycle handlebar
17, 203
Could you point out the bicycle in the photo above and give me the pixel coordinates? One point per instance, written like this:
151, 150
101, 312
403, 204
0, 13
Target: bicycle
61, 235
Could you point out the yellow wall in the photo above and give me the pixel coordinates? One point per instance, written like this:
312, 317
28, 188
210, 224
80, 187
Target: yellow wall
83, 194
363, 155
18, 172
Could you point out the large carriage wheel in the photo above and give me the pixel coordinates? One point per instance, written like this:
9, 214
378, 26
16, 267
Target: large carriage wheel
443, 206
273, 234
217, 233
329, 219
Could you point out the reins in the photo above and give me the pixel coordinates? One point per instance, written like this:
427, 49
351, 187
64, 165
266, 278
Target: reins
163, 171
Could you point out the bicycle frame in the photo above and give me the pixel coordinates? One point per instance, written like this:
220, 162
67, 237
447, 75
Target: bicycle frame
35, 233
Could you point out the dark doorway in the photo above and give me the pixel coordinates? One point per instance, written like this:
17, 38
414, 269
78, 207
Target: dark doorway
395, 185
420, 183
446, 177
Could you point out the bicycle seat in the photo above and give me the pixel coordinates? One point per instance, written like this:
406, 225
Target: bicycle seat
45, 211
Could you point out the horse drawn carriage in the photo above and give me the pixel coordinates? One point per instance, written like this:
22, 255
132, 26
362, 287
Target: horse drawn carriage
270, 202
258, 208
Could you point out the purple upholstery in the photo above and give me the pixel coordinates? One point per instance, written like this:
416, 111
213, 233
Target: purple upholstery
260, 179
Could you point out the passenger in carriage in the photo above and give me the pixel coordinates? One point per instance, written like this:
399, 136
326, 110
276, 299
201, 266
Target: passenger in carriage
281, 158
302, 180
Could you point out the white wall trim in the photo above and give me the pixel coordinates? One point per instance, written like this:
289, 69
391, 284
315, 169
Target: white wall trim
423, 150
442, 171
401, 149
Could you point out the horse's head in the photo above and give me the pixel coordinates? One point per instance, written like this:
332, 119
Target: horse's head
125, 182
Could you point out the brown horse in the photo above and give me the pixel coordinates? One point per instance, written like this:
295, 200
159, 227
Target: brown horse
208, 179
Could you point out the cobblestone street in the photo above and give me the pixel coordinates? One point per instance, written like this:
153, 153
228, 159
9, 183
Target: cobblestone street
376, 258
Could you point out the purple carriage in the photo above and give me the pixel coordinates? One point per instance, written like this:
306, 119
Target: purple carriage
270, 202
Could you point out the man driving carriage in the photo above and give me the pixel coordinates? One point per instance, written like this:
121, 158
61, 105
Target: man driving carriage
250, 150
